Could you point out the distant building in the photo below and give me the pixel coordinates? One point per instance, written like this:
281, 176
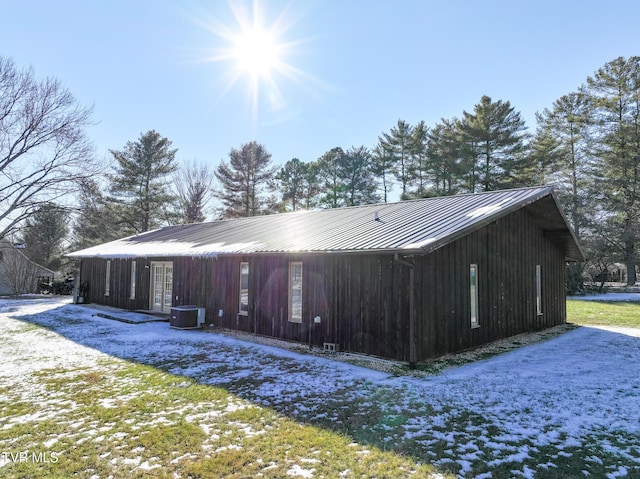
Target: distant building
18, 274
410, 281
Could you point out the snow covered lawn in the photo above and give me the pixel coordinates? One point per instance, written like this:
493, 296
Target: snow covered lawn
567, 407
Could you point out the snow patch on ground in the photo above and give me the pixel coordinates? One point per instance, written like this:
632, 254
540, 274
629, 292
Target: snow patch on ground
563, 395
608, 297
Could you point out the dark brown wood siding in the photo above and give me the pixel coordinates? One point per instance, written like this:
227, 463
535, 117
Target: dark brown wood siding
506, 253
362, 300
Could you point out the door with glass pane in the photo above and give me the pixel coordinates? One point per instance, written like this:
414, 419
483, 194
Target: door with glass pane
161, 286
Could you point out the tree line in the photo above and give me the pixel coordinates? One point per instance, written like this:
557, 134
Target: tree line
586, 145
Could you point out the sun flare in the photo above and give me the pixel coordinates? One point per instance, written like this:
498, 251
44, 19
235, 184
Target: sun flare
257, 48
256, 52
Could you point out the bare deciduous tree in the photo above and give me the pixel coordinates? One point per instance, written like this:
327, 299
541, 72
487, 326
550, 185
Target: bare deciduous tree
192, 184
44, 151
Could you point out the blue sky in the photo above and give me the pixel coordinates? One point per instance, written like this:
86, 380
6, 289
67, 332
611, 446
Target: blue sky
359, 65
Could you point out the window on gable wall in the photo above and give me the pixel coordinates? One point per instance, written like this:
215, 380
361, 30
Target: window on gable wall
243, 306
295, 292
538, 289
473, 295
133, 280
107, 278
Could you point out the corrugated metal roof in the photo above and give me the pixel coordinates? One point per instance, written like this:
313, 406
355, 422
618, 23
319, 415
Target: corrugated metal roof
415, 226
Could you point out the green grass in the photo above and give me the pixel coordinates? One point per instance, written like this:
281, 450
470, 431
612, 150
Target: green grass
620, 313
110, 420
123, 419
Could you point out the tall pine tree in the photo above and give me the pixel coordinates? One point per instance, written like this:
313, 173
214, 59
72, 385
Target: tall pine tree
444, 158
399, 144
97, 220
330, 178
496, 134
356, 172
614, 93
140, 184
292, 179
245, 180
383, 168
44, 236
560, 151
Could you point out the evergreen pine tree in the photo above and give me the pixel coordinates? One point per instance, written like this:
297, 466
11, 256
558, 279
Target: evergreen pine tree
292, 179
356, 172
140, 183
496, 134
44, 236
399, 144
330, 178
245, 180
614, 94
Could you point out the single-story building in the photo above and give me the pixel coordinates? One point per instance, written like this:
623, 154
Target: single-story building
409, 281
18, 274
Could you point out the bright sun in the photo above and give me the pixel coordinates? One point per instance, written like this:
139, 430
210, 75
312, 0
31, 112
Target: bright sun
257, 48
256, 52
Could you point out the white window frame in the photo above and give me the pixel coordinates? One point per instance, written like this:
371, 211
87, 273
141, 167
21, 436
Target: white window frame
107, 279
473, 296
539, 290
243, 308
132, 294
295, 292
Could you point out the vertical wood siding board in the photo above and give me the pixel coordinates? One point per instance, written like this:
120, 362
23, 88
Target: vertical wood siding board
508, 228
421, 309
344, 304
518, 272
367, 317
443, 327
370, 314
354, 305
212, 285
335, 301
227, 281
396, 302
528, 305
528, 253
464, 339
437, 328
377, 307
463, 299
461, 255
367, 343
458, 337
512, 296
337, 287
392, 325
385, 267
356, 302
356, 299
385, 318
483, 245
450, 329
340, 291
433, 312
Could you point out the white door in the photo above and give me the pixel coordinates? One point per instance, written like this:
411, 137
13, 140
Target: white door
161, 286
